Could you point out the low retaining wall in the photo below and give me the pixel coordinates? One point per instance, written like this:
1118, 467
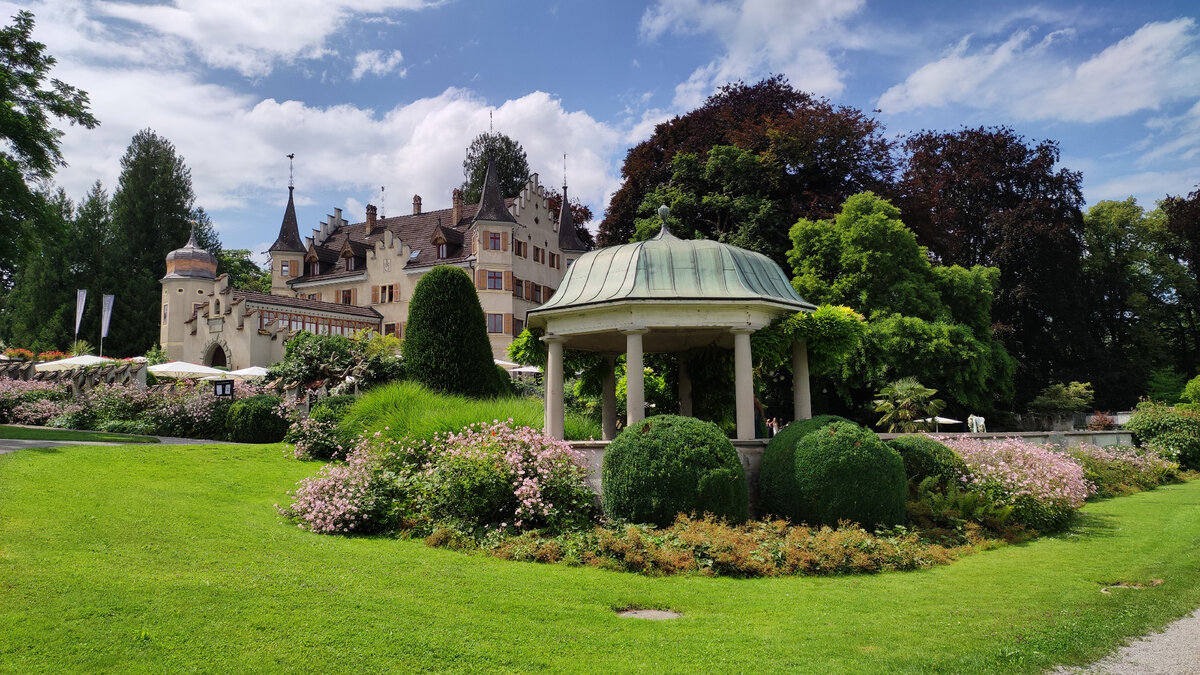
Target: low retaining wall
751, 452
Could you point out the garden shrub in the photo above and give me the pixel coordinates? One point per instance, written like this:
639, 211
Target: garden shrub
495, 476
319, 435
256, 420
924, 457
1044, 487
1170, 430
446, 347
709, 546
361, 496
844, 472
1118, 470
666, 465
777, 476
16, 394
140, 427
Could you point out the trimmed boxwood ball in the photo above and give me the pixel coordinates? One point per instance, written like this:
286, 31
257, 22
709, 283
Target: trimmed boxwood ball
254, 420
777, 487
667, 465
446, 347
924, 457
845, 472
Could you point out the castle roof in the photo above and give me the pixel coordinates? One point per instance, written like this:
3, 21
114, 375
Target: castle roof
289, 231
191, 262
568, 238
492, 205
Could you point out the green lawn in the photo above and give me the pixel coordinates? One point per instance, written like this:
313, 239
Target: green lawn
41, 434
173, 558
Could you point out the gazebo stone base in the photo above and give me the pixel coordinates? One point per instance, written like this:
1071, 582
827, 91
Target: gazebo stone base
749, 452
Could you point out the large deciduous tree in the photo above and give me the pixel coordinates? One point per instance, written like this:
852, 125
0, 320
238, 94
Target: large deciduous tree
814, 154
29, 153
986, 196
927, 322
512, 168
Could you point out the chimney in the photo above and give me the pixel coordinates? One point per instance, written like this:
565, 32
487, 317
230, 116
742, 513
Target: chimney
371, 213
416, 205
456, 212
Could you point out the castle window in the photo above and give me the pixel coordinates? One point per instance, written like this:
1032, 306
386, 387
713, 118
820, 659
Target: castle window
521, 248
347, 297
518, 288
518, 326
493, 241
539, 254
495, 281
495, 323
165, 314
443, 251
285, 268
554, 260
537, 293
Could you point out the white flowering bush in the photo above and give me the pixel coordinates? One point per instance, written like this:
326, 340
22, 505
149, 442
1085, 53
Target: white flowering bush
1043, 486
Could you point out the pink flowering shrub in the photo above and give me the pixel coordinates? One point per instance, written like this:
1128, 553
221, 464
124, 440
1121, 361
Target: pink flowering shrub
29, 402
496, 476
1122, 469
360, 496
1044, 487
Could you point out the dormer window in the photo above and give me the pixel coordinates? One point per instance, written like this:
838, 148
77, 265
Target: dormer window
350, 264
443, 251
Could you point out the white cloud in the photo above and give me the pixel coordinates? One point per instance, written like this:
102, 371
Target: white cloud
248, 36
758, 37
376, 62
1034, 79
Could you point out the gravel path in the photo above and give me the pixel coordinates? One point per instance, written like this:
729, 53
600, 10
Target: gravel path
1175, 651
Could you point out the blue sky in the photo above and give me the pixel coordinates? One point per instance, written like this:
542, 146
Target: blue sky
371, 93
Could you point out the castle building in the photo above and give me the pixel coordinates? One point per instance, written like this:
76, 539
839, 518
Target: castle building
349, 276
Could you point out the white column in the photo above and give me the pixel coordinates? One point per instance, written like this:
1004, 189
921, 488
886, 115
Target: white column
635, 376
743, 383
554, 386
608, 399
801, 397
685, 389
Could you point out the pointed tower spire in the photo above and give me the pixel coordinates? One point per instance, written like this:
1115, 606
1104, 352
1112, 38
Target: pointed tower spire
491, 202
289, 230
568, 238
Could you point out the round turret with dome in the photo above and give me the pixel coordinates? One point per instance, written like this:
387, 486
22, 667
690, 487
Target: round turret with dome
191, 262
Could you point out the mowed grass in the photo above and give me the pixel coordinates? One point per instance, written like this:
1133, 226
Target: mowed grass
408, 410
139, 559
38, 434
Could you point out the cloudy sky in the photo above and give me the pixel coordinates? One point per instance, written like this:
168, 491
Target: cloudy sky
388, 93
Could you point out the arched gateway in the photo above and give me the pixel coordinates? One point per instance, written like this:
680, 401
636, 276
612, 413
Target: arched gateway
666, 295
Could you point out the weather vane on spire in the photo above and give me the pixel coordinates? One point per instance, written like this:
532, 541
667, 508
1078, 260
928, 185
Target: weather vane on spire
491, 127
383, 201
291, 170
564, 170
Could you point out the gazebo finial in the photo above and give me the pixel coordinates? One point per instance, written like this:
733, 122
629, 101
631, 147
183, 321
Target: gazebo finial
664, 232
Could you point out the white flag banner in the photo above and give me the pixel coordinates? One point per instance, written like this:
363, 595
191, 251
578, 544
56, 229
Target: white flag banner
80, 298
107, 303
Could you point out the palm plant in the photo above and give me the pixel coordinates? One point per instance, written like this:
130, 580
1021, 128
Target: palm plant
82, 348
905, 402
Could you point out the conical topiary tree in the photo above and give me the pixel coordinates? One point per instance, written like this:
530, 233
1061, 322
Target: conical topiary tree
446, 346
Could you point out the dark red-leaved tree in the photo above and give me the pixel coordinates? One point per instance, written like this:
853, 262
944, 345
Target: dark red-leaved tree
823, 153
986, 196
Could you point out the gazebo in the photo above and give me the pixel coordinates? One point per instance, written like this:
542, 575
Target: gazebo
666, 295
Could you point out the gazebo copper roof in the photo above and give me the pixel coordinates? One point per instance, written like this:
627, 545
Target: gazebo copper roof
667, 268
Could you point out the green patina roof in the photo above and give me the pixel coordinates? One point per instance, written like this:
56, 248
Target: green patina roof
669, 268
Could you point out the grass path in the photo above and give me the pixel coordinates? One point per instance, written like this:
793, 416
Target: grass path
137, 558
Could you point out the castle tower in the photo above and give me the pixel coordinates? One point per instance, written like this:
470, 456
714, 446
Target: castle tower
189, 281
287, 253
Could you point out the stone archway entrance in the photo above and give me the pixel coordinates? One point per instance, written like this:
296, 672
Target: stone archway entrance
217, 357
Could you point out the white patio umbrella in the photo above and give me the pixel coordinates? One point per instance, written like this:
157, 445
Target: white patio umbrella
526, 369
507, 365
184, 370
72, 362
252, 371
939, 421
